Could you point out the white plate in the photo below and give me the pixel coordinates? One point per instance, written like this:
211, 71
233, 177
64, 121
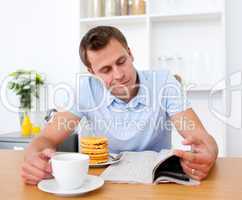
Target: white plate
50, 186
109, 162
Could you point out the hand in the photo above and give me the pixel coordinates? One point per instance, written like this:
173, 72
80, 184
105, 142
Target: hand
37, 167
201, 159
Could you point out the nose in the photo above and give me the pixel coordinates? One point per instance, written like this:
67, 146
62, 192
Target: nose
118, 74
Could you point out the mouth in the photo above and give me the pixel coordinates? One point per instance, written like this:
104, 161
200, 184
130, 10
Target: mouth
120, 87
123, 83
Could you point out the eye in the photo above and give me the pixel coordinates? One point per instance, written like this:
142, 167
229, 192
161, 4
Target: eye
121, 61
106, 70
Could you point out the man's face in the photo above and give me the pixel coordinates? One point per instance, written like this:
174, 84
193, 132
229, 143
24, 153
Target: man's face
114, 65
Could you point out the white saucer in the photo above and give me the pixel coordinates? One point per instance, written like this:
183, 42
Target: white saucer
50, 186
109, 162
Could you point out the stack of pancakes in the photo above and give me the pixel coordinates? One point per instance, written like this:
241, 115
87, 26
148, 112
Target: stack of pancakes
96, 147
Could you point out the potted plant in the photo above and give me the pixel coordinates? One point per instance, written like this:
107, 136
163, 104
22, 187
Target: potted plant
26, 85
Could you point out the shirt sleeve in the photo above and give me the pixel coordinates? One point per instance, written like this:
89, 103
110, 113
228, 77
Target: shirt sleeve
74, 110
79, 104
174, 99
89, 96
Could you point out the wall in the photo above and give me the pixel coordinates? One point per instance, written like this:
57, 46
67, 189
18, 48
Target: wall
234, 64
44, 35
41, 35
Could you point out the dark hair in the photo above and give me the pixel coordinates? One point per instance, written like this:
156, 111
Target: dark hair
97, 38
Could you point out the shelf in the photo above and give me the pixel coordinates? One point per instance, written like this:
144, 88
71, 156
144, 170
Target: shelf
114, 20
186, 16
155, 18
206, 88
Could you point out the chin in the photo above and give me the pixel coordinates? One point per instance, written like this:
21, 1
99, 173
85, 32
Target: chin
120, 93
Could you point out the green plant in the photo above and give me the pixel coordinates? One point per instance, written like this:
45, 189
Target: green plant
25, 84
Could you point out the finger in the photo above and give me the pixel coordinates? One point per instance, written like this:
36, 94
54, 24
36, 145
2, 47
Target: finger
192, 157
187, 141
199, 167
196, 148
186, 155
32, 178
29, 178
192, 139
48, 153
197, 175
184, 134
49, 176
40, 164
29, 182
29, 169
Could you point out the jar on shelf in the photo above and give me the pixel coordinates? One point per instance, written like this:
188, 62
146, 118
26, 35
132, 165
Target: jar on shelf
117, 7
137, 7
90, 8
124, 7
98, 7
110, 8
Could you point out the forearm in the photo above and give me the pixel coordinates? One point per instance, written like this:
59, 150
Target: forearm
54, 133
191, 125
38, 144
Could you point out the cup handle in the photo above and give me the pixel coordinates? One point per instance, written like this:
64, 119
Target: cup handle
50, 162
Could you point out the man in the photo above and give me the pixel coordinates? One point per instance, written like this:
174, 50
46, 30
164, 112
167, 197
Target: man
132, 110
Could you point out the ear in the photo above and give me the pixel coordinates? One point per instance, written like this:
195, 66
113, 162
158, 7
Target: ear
130, 54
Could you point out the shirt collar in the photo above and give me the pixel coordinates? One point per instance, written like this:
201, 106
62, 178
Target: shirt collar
142, 96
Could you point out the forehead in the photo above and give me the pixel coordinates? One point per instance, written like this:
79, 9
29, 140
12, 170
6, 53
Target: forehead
106, 55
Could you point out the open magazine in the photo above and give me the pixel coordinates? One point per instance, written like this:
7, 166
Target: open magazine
148, 167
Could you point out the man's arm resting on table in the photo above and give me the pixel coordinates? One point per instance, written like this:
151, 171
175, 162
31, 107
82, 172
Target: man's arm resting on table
36, 166
54, 133
199, 162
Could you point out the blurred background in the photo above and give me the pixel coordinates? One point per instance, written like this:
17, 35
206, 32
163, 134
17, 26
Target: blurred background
198, 40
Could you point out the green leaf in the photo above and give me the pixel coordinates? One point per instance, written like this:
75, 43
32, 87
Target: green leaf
11, 85
17, 86
26, 85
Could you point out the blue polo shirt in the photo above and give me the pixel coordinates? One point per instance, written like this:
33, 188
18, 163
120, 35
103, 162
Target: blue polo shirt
140, 124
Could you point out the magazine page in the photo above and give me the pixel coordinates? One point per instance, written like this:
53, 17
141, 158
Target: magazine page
162, 156
135, 167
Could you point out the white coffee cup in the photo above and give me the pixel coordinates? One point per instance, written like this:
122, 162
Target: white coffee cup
70, 169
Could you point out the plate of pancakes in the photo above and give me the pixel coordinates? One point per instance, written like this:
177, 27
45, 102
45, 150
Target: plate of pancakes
96, 147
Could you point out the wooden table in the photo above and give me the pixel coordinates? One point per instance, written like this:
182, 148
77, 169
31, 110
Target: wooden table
224, 182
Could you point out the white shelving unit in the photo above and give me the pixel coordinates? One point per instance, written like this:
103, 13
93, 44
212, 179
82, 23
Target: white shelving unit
176, 34
186, 36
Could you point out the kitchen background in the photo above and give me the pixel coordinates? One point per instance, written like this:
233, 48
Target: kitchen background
197, 39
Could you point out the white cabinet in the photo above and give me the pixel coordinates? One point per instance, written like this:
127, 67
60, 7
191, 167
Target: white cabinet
185, 36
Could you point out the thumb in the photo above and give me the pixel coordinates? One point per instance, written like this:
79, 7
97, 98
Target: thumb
192, 140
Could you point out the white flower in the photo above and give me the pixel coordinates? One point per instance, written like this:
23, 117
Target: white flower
26, 87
